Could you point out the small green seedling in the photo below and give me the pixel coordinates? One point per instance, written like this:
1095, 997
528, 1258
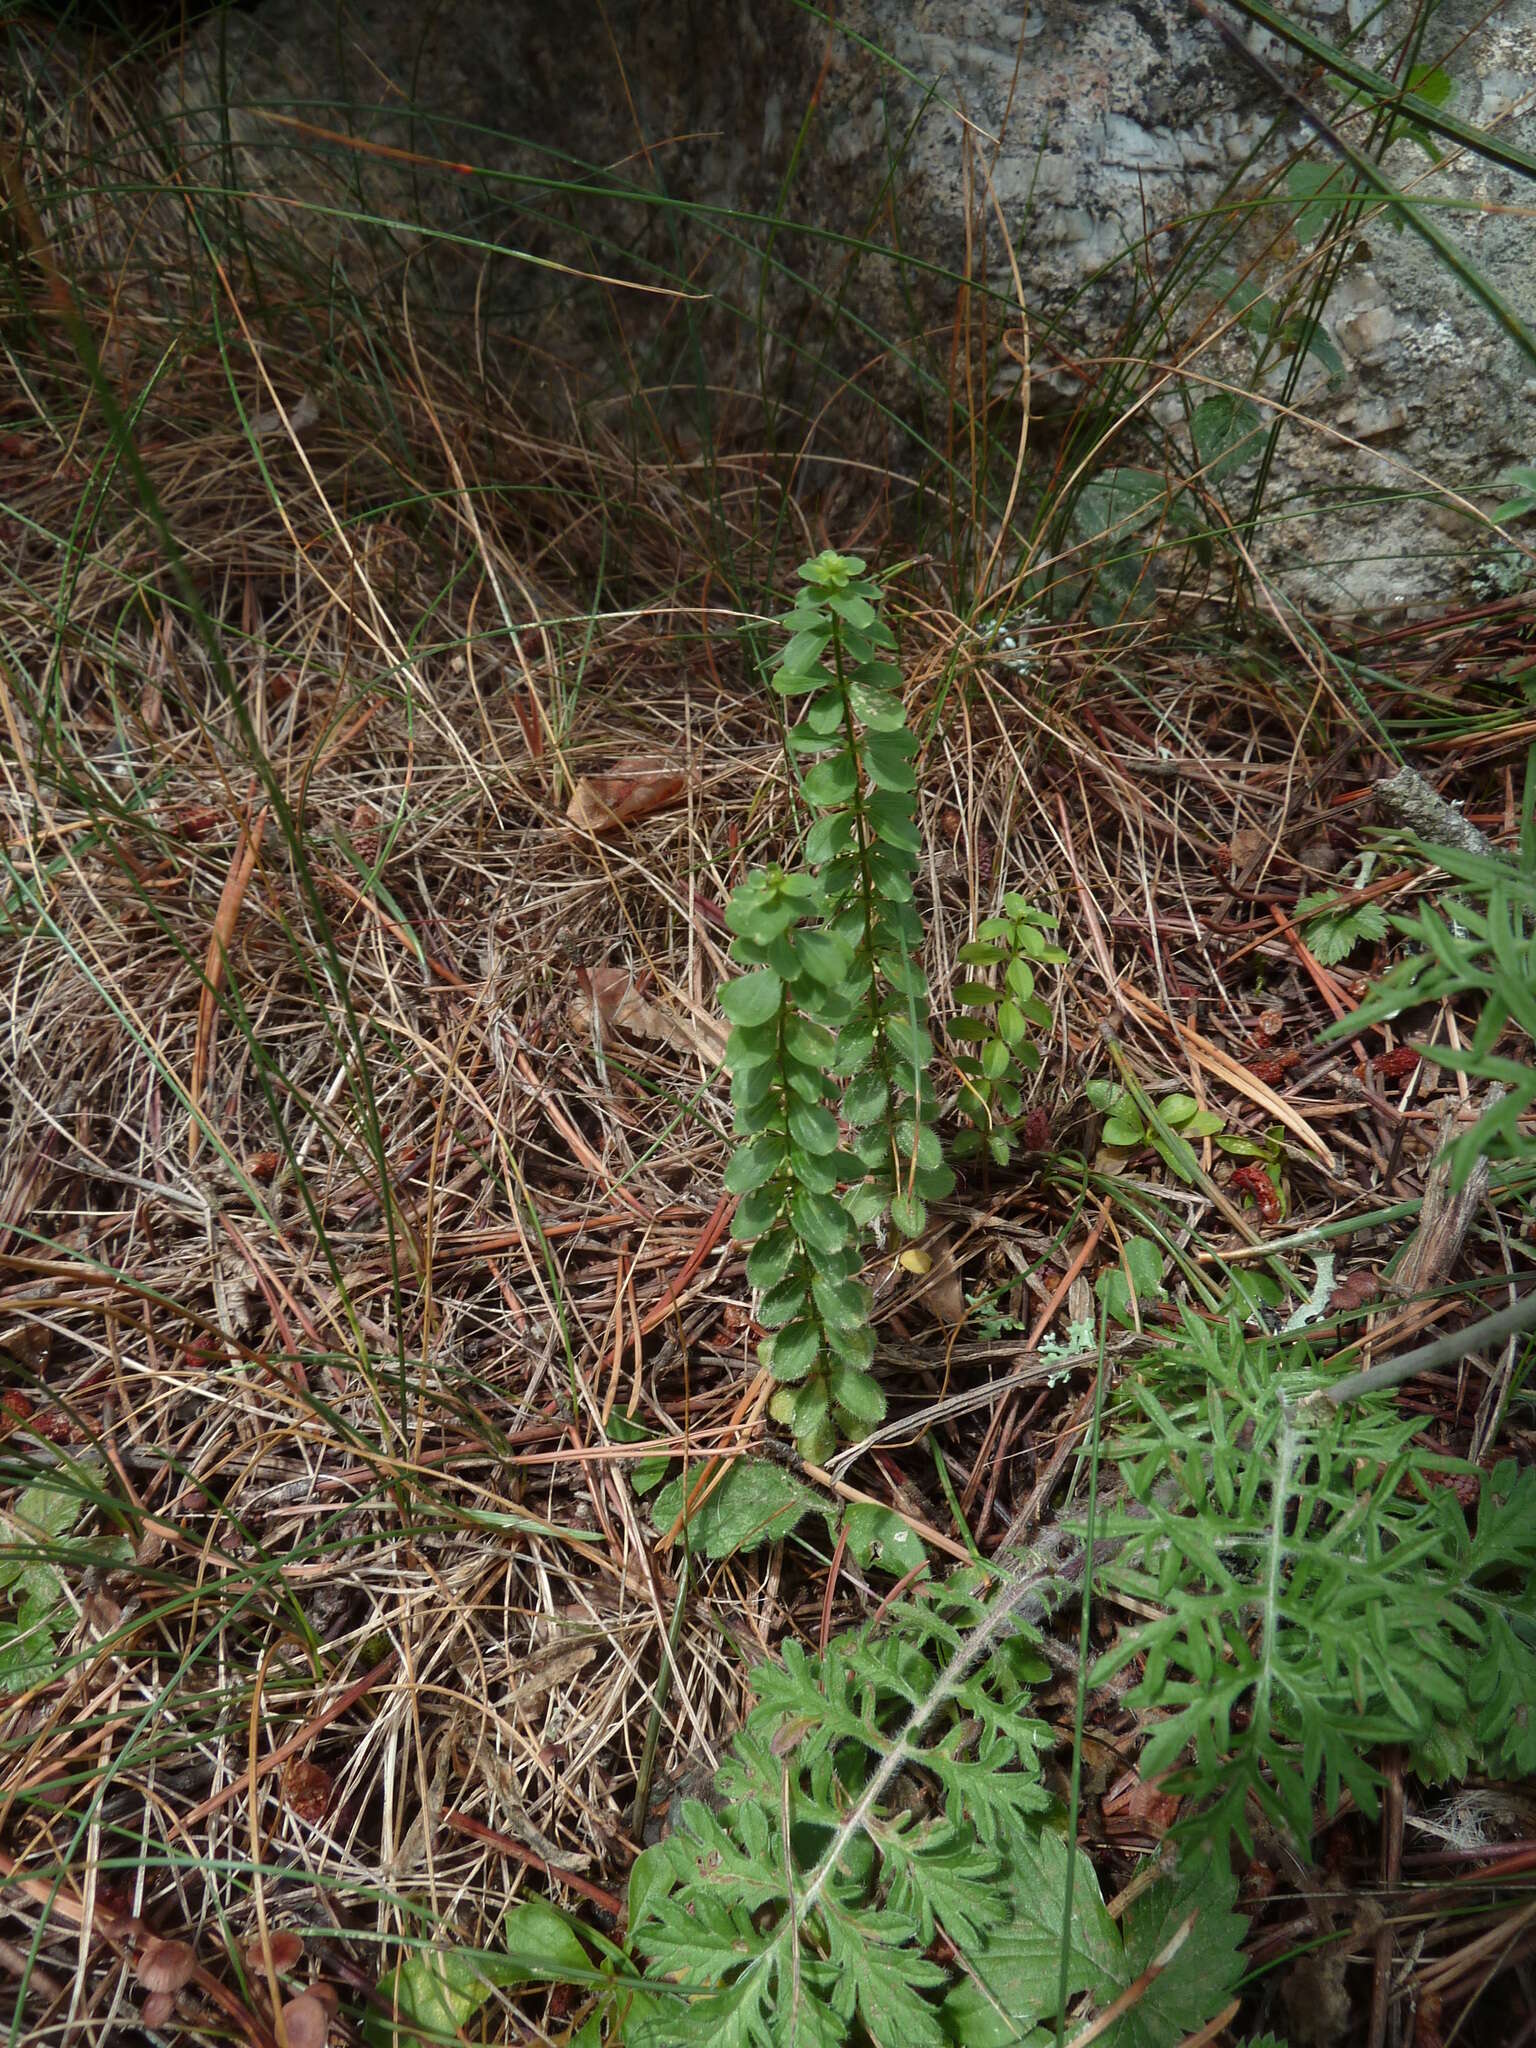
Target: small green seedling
1333, 926
1126, 1130
1006, 1011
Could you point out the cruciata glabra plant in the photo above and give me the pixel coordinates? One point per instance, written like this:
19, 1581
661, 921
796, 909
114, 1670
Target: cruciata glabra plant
829, 1053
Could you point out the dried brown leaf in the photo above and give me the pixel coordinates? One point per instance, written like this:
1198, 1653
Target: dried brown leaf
632, 788
613, 997
236, 882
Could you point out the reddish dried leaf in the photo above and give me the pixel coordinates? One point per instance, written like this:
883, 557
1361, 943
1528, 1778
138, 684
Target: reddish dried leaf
1273, 1068
100, 1613
195, 821
1253, 1180
615, 995
631, 789
114, 1909
1133, 1805
306, 1788
1427, 2031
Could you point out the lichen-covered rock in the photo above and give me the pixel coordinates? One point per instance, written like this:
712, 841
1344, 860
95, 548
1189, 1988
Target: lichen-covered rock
514, 149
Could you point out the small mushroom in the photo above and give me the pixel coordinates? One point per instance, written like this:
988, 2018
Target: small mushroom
286, 1948
306, 2022
158, 2008
165, 1965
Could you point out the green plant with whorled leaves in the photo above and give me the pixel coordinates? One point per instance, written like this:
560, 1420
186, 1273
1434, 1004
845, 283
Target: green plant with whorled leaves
830, 1019
997, 1034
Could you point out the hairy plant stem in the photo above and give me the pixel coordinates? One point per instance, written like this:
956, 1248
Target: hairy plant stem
1447, 1350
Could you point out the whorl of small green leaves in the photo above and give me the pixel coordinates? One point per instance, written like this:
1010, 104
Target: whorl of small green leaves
858, 778
1318, 1589
997, 1036
830, 1027
805, 1255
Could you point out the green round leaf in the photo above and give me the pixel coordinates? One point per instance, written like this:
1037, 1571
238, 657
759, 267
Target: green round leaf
843, 1304
832, 782
753, 999
791, 1352
1021, 980
856, 1393
1010, 1022
820, 1220
756, 1211
825, 957
813, 1127
994, 1059
1124, 1130
865, 1098
771, 1258
754, 1164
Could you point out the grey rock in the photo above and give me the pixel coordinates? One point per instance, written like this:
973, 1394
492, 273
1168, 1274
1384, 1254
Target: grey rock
1093, 131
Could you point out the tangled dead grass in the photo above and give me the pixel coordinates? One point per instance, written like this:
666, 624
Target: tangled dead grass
363, 1127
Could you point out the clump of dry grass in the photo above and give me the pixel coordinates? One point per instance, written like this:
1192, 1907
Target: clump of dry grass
362, 1120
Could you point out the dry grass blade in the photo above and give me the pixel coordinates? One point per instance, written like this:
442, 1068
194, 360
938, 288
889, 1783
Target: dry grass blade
247, 853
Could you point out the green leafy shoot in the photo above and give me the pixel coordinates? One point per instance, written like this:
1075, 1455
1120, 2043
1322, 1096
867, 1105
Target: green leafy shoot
829, 1054
437, 1989
996, 1036
942, 1916
1129, 1289
755, 1502
44, 1513
1476, 947
1521, 483
1430, 83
